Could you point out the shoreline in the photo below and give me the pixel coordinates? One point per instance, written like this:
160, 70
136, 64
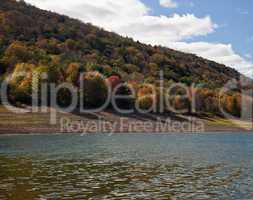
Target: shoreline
53, 131
109, 122
129, 133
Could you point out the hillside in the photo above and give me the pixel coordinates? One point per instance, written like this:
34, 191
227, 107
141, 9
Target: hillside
31, 35
69, 51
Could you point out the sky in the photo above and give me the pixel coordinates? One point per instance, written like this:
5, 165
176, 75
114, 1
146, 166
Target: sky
219, 30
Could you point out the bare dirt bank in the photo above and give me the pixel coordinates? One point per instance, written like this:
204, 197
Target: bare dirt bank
111, 122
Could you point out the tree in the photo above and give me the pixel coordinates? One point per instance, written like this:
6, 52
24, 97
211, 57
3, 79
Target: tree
125, 103
232, 104
95, 90
153, 69
146, 89
130, 68
72, 73
57, 44
188, 80
114, 81
51, 46
136, 77
133, 56
159, 59
21, 82
71, 44
27, 78
207, 101
17, 52
107, 70
146, 103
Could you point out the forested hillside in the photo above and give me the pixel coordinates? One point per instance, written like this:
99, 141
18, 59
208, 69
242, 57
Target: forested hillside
28, 34
32, 39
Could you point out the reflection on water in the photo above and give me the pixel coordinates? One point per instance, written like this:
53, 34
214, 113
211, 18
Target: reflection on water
126, 167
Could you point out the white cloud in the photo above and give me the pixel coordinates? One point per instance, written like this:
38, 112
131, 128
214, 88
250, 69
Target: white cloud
168, 3
132, 18
109, 14
221, 53
162, 30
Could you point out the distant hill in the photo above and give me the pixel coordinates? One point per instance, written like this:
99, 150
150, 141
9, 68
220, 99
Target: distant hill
32, 35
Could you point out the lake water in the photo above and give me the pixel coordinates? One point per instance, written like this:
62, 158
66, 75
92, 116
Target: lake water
129, 166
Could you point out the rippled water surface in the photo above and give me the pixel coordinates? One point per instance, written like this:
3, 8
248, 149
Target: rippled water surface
182, 166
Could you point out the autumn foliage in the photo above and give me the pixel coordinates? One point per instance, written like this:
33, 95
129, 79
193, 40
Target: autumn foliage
37, 42
95, 91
